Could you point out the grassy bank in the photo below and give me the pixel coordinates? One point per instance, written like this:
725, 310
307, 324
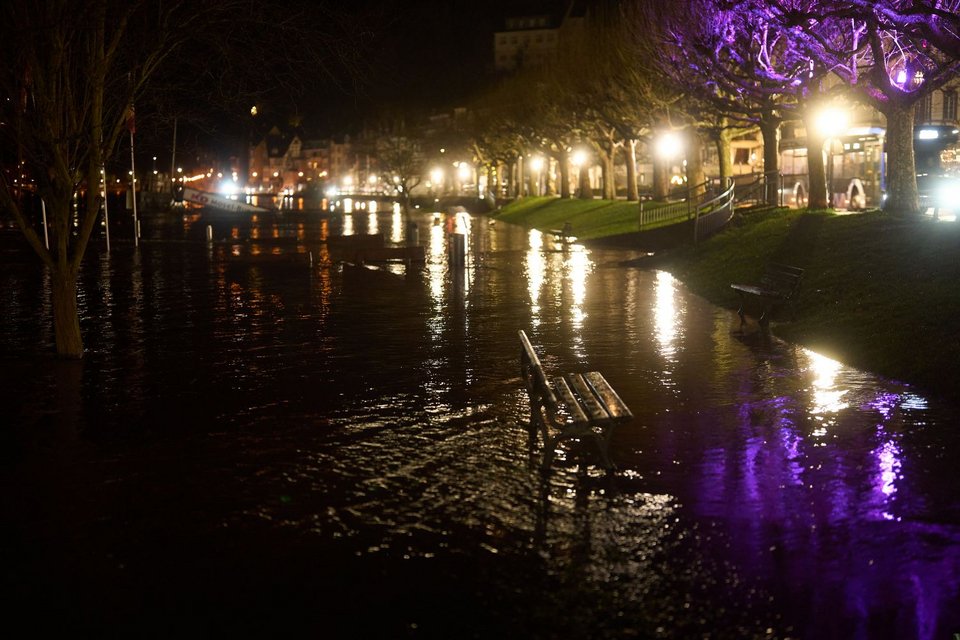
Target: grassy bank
880, 293
589, 219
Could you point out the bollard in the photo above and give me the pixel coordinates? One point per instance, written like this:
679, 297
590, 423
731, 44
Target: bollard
413, 234
209, 233
458, 250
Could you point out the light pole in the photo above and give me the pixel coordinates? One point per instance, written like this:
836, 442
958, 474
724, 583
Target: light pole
831, 122
536, 166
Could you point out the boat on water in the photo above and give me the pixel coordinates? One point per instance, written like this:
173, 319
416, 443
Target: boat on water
217, 201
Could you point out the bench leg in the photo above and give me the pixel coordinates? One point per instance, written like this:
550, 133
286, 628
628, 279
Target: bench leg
764, 319
603, 446
740, 311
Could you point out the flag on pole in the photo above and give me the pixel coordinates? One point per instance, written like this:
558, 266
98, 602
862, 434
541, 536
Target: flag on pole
130, 120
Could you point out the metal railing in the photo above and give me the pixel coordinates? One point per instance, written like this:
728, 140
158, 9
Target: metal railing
757, 191
709, 216
682, 210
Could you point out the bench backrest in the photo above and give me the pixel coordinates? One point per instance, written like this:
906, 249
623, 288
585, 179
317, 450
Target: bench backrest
782, 278
533, 374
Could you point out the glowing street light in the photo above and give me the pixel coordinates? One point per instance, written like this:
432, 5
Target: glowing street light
463, 171
536, 163
668, 145
579, 158
436, 175
831, 121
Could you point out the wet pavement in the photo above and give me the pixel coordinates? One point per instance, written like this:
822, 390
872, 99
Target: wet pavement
261, 440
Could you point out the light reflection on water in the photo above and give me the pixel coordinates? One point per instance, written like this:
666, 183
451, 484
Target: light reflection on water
378, 412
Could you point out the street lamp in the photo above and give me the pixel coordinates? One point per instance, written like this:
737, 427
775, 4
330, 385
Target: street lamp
536, 165
668, 145
436, 177
830, 122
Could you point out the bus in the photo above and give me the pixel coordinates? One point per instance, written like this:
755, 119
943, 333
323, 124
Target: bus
856, 160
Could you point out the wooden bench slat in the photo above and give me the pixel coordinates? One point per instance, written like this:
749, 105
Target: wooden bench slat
536, 370
616, 407
566, 395
589, 401
590, 406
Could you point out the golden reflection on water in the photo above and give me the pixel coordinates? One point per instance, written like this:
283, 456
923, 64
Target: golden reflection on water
436, 264
396, 226
578, 267
347, 224
373, 225
827, 398
536, 268
666, 316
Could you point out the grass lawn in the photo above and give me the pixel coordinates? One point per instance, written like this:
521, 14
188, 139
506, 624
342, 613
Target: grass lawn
880, 292
589, 219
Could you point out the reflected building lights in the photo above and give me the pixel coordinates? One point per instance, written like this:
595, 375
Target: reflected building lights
578, 267
396, 227
348, 225
373, 225
826, 398
348, 205
436, 267
665, 315
536, 267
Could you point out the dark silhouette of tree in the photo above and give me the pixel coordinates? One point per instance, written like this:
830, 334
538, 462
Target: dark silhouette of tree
72, 73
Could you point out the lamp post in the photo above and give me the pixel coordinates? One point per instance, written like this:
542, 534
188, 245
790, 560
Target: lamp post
536, 166
831, 122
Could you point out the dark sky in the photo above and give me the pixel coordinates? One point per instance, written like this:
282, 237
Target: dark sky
430, 53
422, 55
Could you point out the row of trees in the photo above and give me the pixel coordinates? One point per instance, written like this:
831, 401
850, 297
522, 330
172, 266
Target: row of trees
707, 68
713, 69
73, 71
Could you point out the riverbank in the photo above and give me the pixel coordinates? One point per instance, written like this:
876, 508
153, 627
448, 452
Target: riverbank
879, 292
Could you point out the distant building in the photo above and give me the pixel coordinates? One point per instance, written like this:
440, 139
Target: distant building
288, 161
534, 32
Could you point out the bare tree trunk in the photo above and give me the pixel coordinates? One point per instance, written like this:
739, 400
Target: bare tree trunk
514, 190
770, 131
608, 191
586, 191
723, 139
66, 319
563, 160
521, 187
630, 154
550, 178
816, 170
696, 176
902, 194
608, 154
661, 178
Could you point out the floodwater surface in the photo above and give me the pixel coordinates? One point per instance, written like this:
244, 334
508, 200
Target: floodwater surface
261, 440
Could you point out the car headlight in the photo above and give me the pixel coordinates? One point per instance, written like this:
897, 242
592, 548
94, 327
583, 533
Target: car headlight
949, 195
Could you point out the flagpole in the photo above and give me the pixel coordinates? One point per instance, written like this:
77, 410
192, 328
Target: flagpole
133, 186
106, 214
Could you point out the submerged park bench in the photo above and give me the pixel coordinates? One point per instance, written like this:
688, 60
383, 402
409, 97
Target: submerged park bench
574, 405
779, 285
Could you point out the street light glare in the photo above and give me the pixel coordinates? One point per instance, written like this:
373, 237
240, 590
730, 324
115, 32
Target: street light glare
832, 121
579, 158
668, 145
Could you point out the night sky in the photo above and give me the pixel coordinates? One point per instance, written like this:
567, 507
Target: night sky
415, 57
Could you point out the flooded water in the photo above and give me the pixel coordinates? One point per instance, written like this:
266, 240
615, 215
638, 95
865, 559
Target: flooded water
261, 440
